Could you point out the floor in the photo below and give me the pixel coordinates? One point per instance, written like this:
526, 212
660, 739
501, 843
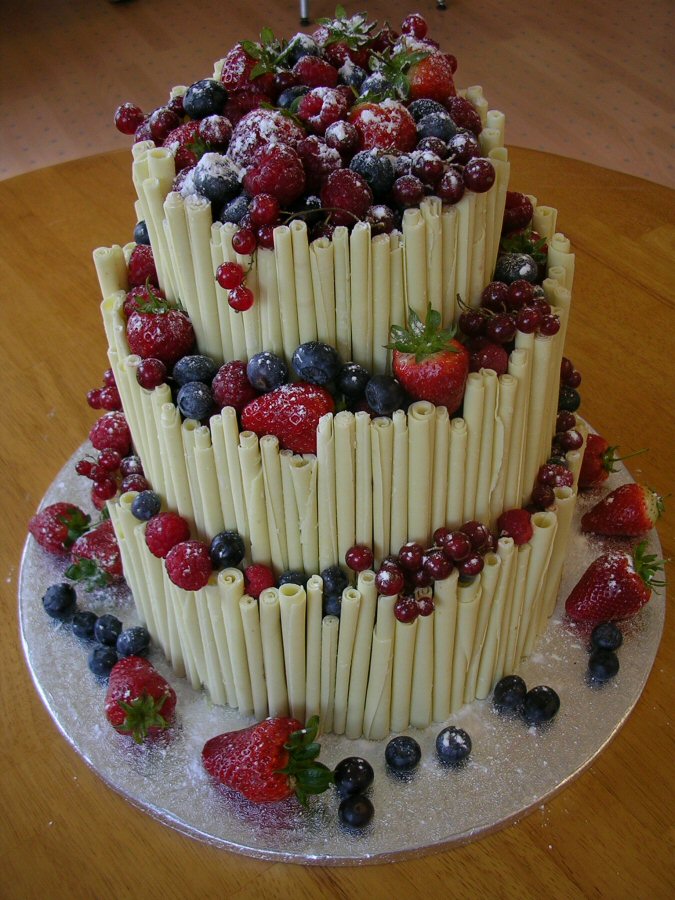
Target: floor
593, 81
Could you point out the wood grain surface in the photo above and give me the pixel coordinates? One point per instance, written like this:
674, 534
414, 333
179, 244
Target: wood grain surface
63, 833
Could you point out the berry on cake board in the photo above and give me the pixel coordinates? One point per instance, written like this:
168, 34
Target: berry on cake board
139, 701
630, 510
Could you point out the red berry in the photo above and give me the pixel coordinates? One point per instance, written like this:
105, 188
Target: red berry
188, 565
518, 211
487, 355
94, 398
141, 266
216, 131
150, 373
472, 323
406, 608
164, 531
319, 160
104, 488
359, 558
573, 380
437, 565
411, 556
109, 378
230, 275
231, 387
425, 605
381, 219
161, 122
456, 545
321, 107
135, 482
109, 460
84, 467
257, 579
462, 112
109, 398
265, 237
244, 242
414, 25
555, 475
427, 166
389, 582
420, 578
451, 186
520, 293
565, 421
408, 191
278, 171
343, 137
131, 465
501, 328
128, 117
477, 533
549, 325
462, 148
494, 296
479, 175
111, 430
241, 298
471, 566
264, 210
528, 320
348, 195
57, 527
542, 496
569, 440
515, 523
315, 72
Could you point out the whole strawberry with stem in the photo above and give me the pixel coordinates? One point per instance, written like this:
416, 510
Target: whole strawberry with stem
158, 330
269, 761
615, 586
96, 559
628, 511
599, 461
58, 526
139, 701
428, 361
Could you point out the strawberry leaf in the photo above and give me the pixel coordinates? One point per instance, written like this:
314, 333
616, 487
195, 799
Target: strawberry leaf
89, 573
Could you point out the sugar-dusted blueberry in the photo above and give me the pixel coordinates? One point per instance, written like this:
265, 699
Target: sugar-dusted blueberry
352, 380
316, 362
141, 235
59, 601
602, 664
423, 107
266, 371
215, 178
376, 168
83, 624
331, 605
541, 704
146, 505
292, 576
195, 400
107, 629
300, 45
353, 775
335, 579
227, 549
206, 97
235, 210
384, 394
438, 125
375, 83
196, 367
352, 75
606, 636
514, 267
453, 745
134, 641
291, 95
101, 660
402, 753
509, 694
356, 812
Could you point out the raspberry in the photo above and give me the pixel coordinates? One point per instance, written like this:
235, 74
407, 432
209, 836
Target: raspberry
109, 398
164, 531
515, 523
322, 107
111, 431
277, 171
350, 193
315, 72
387, 125
319, 160
188, 565
231, 387
258, 578
142, 266
261, 129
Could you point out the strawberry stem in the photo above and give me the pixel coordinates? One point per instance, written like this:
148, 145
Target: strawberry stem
422, 338
142, 714
647, 565
307, 775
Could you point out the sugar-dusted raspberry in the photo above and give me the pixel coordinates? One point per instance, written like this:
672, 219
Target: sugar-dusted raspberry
261, 129
188, 565
319, 161
142, 266
164, 531
315, 72
258, 578
277, 171
111, 431
321, 107
346, 193
231, 387
517, 524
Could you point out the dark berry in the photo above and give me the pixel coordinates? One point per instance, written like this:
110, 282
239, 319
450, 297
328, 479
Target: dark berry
569, 399
471, 565
335, 580
131, 465
543, 496
436, 145
456, 545
292, 576
59, 601
128, 118
427, 167
141, 235
509, 694
477, 532
377, 170
453, 745
204, 98
353, 775
438, 125
376, 83
107, 629
356, 812
602, 665
194, 368
235, 210
343, 137
215, 178
451, 186
84, 623
402, 753
359, 558
437, 565
407, 192
331, 605
134, 483
352, 380
479, 176
384, 394
266, 371
528, 320
420, 108
514, 266
406, 608
606, 636
133, 641
540, 705
150, 373
195, 400
381, 218
291, 95
101, 660
227, 549
389, 581
146, 505
316, 362
464, 147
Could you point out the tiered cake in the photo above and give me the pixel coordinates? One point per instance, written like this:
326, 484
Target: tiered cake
378, 481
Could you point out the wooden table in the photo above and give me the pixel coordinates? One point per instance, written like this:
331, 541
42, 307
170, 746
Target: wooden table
64, 833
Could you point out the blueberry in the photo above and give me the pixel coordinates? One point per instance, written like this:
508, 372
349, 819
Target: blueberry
101, 661
603, 665
513, 266
356, 812
353, 775
606, 636
335, 579
332, 605
316, 362
375, 168
438, 125
107, 629
235, 210
384, 394
215, 178
227, 550
377, 83
288, 97
194, 368
146, 505
558, 461
300, 45
402, 753
569, 399
133, 641
540, 705
292, 577
352, 380
266, 371
509, 694
204, 98
141, 235
352, 75
420, 108
311, 209
59, 601
84, 623
195, 400
453, 745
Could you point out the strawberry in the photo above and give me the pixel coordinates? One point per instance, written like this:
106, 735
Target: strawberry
141, 266
157, 330
431, 78
248, 64
187, 144
345, 37
615, 586
385, 126
599, 460
291, 413
428, 361
269, 761
139, 701
96, 559
517, 524
628, 511
111, 432
58, 526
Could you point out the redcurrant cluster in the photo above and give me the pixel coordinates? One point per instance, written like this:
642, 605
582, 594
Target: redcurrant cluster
110, 472
107, 396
